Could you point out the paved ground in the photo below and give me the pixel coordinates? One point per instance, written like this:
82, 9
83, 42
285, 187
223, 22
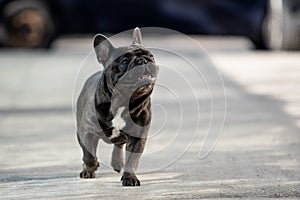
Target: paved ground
256, 156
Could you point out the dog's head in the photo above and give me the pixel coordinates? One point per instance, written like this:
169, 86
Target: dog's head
130, 69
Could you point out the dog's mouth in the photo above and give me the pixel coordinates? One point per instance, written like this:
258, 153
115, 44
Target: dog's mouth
147, 77
145, 85
138, 79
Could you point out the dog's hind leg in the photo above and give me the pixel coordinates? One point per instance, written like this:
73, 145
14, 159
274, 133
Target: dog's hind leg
89, 145
117, 158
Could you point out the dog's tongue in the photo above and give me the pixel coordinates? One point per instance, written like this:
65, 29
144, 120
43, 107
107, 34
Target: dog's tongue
145, 76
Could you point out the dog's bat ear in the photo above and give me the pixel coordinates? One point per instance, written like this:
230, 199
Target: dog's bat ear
137, 37
102, 47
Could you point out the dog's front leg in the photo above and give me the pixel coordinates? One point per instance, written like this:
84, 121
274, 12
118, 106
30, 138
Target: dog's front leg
117, 159
89, 143
134, 150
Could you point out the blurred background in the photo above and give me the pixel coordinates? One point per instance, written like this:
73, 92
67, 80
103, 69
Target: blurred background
269, 24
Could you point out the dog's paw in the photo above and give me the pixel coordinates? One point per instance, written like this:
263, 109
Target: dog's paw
89, 171
87, 174
129, 179
117, 165
120, 139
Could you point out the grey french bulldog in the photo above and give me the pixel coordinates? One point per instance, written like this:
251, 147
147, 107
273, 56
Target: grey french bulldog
115, 106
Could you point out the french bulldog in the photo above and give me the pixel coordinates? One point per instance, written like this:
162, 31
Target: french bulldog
115, 106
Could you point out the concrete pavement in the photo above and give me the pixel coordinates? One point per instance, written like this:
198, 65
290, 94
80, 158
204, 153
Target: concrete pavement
257, 155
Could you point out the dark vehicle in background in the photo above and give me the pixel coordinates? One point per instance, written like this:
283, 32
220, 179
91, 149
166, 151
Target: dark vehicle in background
269, 24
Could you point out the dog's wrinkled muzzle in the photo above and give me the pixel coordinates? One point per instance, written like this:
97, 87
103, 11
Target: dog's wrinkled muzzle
137, 77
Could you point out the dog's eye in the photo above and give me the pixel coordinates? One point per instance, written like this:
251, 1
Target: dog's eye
125, 61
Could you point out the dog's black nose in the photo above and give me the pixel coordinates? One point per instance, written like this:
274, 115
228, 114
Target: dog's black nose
141, 61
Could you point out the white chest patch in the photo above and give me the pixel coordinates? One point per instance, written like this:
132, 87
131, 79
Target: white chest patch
115, 133
118, 122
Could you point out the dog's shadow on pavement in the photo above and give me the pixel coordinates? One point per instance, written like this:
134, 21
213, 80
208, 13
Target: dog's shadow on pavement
37, 174
62, 173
